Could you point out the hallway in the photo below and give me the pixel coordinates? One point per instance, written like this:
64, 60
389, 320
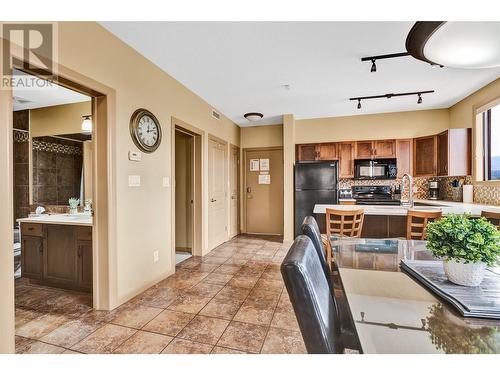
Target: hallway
230, 301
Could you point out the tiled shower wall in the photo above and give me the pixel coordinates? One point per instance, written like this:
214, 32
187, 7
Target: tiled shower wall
57, 170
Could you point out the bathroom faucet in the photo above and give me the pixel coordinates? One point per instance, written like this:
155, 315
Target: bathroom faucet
409, 201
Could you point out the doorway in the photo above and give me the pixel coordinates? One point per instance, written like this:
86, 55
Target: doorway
184, 199
234, 191
263, 207
217, 193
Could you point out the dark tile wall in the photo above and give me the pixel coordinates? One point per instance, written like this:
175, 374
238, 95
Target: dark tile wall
21, 165
57, 168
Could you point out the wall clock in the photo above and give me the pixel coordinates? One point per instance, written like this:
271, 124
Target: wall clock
145, 130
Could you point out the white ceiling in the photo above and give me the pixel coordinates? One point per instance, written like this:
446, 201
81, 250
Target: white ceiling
241, 67
40, 95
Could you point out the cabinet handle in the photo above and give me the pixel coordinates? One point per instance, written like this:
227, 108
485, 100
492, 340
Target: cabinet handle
40, 248
79, 251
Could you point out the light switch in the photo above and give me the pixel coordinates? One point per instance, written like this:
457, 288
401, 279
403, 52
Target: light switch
134, 156
166, 182
134, 180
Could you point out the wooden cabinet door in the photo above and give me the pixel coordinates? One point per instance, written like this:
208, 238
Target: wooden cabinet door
442, 159
84, 254
425, 155
32, 257
346, 159
385, 149
60, 256
326, 151
404, 152
364, 150
306, 152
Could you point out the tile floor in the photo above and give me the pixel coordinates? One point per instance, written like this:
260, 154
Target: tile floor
231, 301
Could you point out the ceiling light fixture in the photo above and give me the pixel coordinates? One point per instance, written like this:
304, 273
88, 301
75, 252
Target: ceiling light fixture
391, 95
87, 124
253, 116
466, 45
373, 59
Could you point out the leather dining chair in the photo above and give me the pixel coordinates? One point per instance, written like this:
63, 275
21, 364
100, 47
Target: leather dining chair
312, 301
493, 217
416, 223
310, 229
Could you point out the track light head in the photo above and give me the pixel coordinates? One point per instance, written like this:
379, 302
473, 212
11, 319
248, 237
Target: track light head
359, 103
419, 101
374, 66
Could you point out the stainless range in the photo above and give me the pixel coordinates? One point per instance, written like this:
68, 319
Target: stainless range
374, 195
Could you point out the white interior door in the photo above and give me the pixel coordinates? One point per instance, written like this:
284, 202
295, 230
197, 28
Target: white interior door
217, 218
234, 191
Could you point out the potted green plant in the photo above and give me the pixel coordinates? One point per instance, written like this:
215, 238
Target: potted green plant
467, 246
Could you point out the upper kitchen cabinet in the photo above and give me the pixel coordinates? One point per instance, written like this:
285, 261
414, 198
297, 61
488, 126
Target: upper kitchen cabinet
380, 149
454, 152
404, 156
317, 151
425, 156
345, 152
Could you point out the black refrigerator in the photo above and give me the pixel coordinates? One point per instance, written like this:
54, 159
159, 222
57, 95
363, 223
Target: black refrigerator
315, 183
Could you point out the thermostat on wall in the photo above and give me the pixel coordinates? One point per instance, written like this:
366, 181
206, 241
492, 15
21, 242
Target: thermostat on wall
134, 156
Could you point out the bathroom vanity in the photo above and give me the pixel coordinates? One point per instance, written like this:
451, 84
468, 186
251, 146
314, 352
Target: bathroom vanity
56, 250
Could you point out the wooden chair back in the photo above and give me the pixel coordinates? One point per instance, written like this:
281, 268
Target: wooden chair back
493, 217
344, 223
417, 223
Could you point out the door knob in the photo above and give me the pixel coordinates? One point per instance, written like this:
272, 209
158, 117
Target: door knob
249, 189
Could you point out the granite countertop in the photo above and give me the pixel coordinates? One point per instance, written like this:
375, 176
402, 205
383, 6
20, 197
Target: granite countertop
62, 219
446, 207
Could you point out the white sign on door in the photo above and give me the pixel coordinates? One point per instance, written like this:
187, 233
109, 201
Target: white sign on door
254, 165
264, 179
264, 164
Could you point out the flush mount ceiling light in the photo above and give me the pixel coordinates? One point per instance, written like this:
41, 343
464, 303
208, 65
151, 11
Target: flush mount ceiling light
391, 95
253, 116
466, 45
87, 124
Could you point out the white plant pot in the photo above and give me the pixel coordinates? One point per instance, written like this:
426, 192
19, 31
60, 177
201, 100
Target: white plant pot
466, 274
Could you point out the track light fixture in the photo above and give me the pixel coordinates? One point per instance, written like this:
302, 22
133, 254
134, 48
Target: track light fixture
391, 95
373, 59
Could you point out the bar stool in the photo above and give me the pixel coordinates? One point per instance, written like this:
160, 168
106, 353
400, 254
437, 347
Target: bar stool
493, 217
416, 223
343, 223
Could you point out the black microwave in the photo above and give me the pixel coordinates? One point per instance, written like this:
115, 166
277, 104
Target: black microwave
381, 169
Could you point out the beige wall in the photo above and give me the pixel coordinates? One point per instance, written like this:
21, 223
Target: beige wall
58, 119
183, 194
461, 114
261, 136
378, 126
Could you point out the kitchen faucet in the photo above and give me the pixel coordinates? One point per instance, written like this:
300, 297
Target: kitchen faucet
407, 202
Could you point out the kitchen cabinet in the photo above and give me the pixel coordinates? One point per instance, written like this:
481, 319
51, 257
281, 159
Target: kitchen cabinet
404, 156
317, 151
385, 149
57, 255
345, 152
364, 150
454, 152
425, 156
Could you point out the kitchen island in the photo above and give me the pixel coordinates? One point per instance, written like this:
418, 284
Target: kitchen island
386, 221
56, 250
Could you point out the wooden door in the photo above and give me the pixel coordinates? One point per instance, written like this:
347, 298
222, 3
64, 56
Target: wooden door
264, 198
442, 160
364, 150
217, 218
32, 249
326, 151
306, 152
404, 151
60, 256
425, 156
84, 253
346, 159
385, 149
234, 191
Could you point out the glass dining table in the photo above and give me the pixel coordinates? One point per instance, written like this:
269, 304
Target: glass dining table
393, 313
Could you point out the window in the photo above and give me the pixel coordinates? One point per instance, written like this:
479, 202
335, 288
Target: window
491, 144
